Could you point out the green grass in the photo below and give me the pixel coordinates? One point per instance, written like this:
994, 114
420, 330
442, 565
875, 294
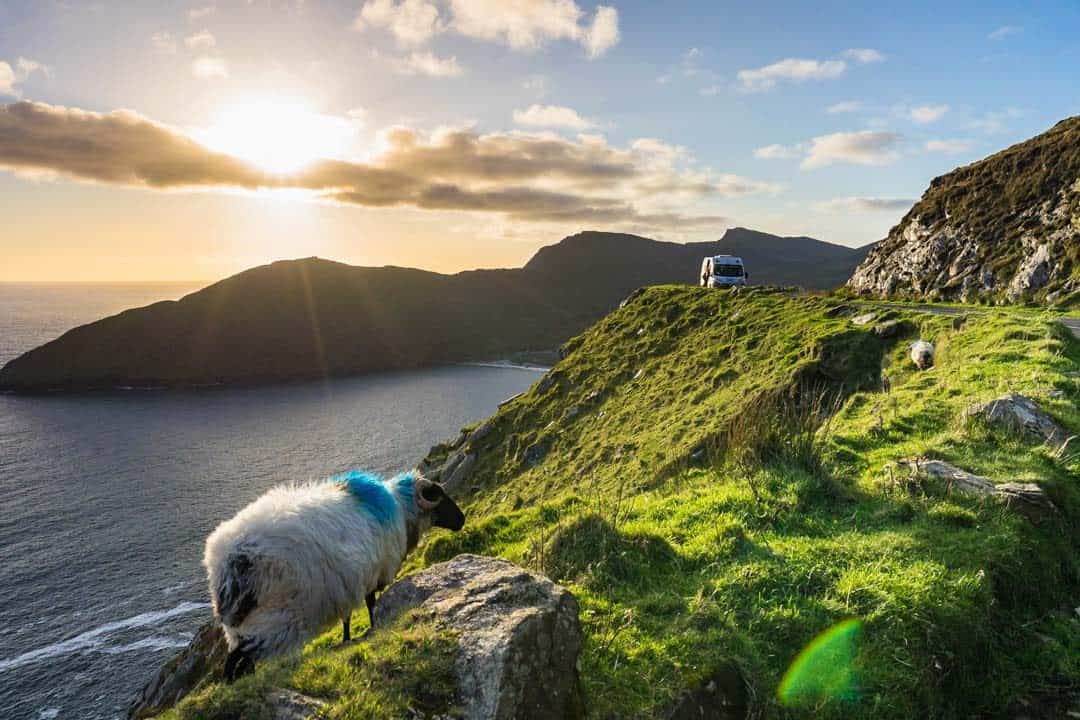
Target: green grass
719, 485
407, 668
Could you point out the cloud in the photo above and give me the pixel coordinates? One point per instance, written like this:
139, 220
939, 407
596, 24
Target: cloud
12, 77
793, 69
777, 152
526, 177
865, 147
1005, 31
603, 34
926, 114
520, 24
425, 63
530, 24
163, 42
864, 56
864, 205
202, 40
994, 123
201, 13
412, 22
948, 147
552, 116
848, 106
208, 67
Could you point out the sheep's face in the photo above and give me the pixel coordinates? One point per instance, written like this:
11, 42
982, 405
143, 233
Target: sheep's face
444, 512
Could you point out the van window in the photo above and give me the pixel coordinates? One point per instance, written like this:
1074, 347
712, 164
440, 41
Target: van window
728, 270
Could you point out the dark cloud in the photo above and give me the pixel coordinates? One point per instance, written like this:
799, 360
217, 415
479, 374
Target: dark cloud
522, 176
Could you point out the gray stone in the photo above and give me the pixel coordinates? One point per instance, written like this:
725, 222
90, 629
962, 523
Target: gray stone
176, 678
1026, 498
481, 432
1018, 414
887, 329
1033, 273
518, 636
865, 319
550, 380
455, 480
536, 452
289, 705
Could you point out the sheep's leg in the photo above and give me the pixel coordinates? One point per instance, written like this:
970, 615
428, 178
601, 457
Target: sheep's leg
238, 664
345, 630
370, 600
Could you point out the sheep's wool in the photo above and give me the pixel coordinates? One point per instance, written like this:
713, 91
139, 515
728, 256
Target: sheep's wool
311, 553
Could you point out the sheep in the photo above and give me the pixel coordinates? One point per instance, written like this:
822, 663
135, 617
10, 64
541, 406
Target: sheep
922, 354
300, 557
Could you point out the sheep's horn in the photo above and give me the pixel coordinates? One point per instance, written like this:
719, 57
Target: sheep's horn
429, 499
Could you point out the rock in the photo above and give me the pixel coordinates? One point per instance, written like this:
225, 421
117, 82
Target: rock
1026, 498
289, 705
573, 411
865, 319
722, 696
536, 452
1013, 236
1033, 273
180, 675
481, 432
550, 380
1018, 414
454, 481
630, 298
922, 354
518, 636
510, 399
888, 329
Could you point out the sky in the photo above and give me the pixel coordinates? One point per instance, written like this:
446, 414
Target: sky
191, 140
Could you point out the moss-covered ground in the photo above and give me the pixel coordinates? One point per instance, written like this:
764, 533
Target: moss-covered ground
715, 476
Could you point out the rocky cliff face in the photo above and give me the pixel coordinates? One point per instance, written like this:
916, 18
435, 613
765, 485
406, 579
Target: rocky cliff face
1004, 229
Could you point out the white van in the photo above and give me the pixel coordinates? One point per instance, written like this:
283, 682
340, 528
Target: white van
723, 271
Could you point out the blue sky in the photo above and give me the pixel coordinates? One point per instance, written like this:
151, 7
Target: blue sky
821, 119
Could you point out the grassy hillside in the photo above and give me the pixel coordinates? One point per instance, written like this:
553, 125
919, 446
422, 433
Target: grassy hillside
714, 475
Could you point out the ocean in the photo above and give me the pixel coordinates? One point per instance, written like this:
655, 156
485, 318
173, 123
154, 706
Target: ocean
106, 498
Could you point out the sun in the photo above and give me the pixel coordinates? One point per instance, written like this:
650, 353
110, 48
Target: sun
280, 136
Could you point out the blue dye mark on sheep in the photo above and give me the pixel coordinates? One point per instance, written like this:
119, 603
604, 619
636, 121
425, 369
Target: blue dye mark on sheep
371, 494
405, 484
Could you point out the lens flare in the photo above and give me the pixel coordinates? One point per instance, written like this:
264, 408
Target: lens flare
824, 670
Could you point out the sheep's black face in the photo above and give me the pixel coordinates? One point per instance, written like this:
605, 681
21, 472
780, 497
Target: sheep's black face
446, 513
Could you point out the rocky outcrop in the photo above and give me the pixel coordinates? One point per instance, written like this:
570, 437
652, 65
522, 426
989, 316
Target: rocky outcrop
1017, 414
518, 636
1026, 498
1005, 229
180, 675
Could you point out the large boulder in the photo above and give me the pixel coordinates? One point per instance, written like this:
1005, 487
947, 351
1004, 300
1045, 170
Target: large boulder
1018, 414
518, 635
180, 675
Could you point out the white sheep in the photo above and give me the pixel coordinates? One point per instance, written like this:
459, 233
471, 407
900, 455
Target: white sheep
922, 354
300, 557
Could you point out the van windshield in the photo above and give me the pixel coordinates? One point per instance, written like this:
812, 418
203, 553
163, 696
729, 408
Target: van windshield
728, 270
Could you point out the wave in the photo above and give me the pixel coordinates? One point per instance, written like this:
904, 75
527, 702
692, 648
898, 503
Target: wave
506, 364
94, 639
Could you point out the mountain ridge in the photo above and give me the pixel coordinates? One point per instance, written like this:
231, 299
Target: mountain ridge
310, 318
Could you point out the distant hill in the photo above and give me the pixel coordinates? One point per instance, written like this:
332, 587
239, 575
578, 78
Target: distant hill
1004, 228
313, 318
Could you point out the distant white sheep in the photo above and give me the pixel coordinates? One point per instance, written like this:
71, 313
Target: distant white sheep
304, 556
922, 354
